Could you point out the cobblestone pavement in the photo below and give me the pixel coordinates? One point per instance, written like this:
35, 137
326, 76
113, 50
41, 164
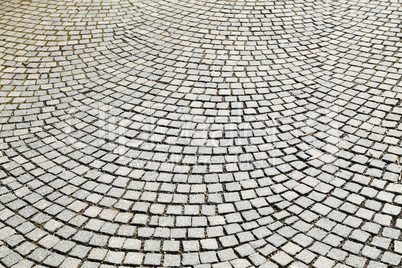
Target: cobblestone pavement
200, 133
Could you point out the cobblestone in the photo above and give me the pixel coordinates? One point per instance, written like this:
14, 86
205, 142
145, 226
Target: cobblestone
200, 133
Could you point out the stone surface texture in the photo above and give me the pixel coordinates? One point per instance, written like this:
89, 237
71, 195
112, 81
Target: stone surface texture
200, 133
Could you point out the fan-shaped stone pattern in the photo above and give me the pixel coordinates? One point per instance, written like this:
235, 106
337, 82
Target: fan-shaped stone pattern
200, 133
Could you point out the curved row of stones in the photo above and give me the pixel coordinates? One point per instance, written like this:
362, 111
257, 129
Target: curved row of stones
200, 133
